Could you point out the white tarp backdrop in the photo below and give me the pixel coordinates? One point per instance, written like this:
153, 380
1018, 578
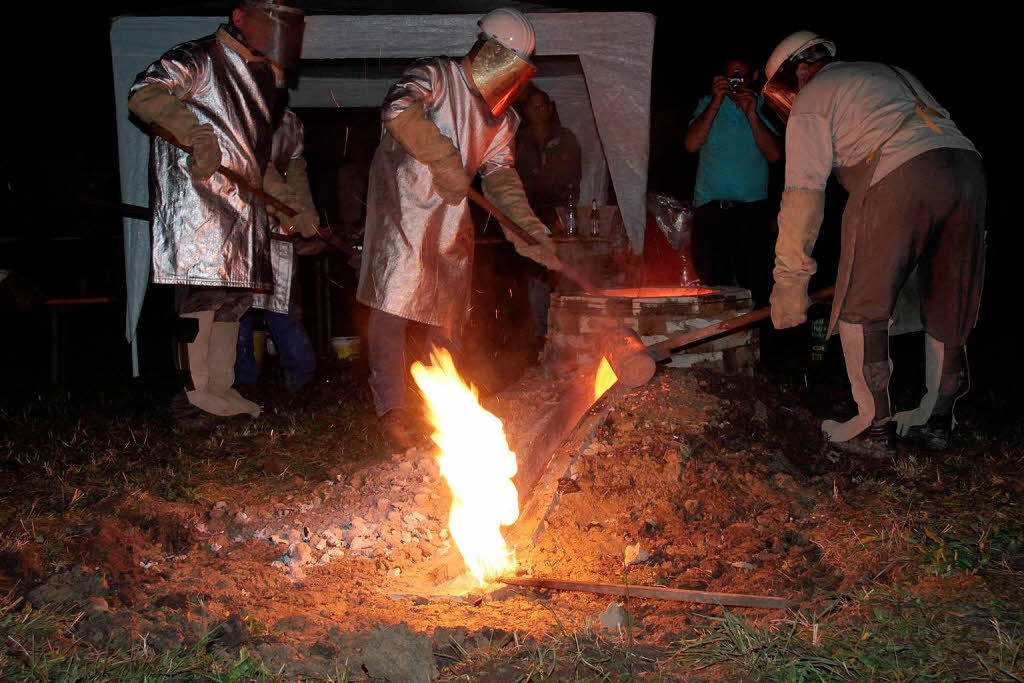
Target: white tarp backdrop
608, 107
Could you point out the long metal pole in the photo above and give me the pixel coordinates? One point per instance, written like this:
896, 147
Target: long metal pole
656, 592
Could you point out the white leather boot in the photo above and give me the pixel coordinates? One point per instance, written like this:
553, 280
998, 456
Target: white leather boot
223, 347
197, 389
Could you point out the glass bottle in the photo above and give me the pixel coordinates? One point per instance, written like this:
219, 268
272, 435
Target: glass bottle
595, 219
571, 219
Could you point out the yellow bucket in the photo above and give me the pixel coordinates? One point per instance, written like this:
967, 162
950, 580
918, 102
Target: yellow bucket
259, 346
347, 348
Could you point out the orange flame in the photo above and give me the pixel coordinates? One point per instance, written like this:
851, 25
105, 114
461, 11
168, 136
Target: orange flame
606, 377
477, 464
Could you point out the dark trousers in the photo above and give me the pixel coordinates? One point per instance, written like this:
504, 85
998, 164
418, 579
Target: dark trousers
927, 214
389, 366
297, 356
733, 245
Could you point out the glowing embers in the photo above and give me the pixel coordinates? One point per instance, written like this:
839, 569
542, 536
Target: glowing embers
605, 378
476, 462
654, 292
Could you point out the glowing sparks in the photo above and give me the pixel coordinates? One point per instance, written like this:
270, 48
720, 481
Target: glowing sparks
605, 378
476, 462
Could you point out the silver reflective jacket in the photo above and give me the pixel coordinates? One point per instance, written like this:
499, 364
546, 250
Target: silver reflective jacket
418, 250
213, 232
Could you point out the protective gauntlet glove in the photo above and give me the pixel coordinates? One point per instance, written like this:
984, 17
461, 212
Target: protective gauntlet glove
295, 193
154, 104
422, 139
800, 219
505, 190
205, 157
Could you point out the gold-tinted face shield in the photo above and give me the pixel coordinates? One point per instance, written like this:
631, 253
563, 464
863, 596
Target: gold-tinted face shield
780, 90
498, 74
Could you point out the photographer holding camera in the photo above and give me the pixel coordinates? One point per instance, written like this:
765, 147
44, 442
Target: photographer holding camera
736, 143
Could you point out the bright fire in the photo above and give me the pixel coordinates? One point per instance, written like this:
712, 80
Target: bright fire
605, 378
477, 464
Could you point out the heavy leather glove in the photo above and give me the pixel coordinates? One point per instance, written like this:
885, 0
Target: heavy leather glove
425, 143
800, 219
306, 224
295, 193
789, 303
451, 180
505, 190
205, 157
155, 104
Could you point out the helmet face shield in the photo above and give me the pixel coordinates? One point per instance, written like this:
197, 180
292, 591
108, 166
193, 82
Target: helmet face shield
276, 32
780, 90
498, 74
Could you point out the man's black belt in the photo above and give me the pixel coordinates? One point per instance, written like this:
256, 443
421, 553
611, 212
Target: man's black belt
725, 204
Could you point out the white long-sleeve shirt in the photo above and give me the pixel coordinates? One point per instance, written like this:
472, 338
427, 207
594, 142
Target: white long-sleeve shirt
847, 111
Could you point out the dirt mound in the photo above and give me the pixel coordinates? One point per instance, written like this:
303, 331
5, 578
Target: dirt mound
163, 524
708, 513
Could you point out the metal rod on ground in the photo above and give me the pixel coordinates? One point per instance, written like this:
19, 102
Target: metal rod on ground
655, 592
568, 269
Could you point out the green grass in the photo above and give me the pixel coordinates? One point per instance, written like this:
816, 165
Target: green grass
40, 645
890, 636
579, 654
65, 452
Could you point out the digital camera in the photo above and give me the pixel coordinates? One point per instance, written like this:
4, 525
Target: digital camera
735, 82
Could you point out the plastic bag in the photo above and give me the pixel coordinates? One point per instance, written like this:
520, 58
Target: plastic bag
675, 220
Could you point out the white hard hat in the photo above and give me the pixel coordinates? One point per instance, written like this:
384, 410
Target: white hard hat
510, 28
792, 45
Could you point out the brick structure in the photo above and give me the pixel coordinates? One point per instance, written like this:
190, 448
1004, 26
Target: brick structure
576, 325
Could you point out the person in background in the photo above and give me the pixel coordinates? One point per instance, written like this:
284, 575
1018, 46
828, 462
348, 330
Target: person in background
286, 180
548, 161
913, 238
735, 143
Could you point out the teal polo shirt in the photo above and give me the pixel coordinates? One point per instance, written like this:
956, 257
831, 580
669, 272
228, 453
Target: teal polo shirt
730, 165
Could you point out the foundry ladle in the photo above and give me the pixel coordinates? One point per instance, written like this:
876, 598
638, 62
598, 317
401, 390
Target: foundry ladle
634, 363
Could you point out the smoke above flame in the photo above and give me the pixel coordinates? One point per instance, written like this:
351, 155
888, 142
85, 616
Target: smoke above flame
477, 464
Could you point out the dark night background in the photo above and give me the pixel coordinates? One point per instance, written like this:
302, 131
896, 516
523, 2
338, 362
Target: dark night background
61, 143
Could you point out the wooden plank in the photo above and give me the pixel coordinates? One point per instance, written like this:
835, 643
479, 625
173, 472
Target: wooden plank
655, 592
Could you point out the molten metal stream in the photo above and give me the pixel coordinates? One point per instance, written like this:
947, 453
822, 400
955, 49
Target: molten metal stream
605, 378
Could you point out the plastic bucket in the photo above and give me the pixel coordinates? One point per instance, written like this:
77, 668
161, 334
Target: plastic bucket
259, 346
347, 348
